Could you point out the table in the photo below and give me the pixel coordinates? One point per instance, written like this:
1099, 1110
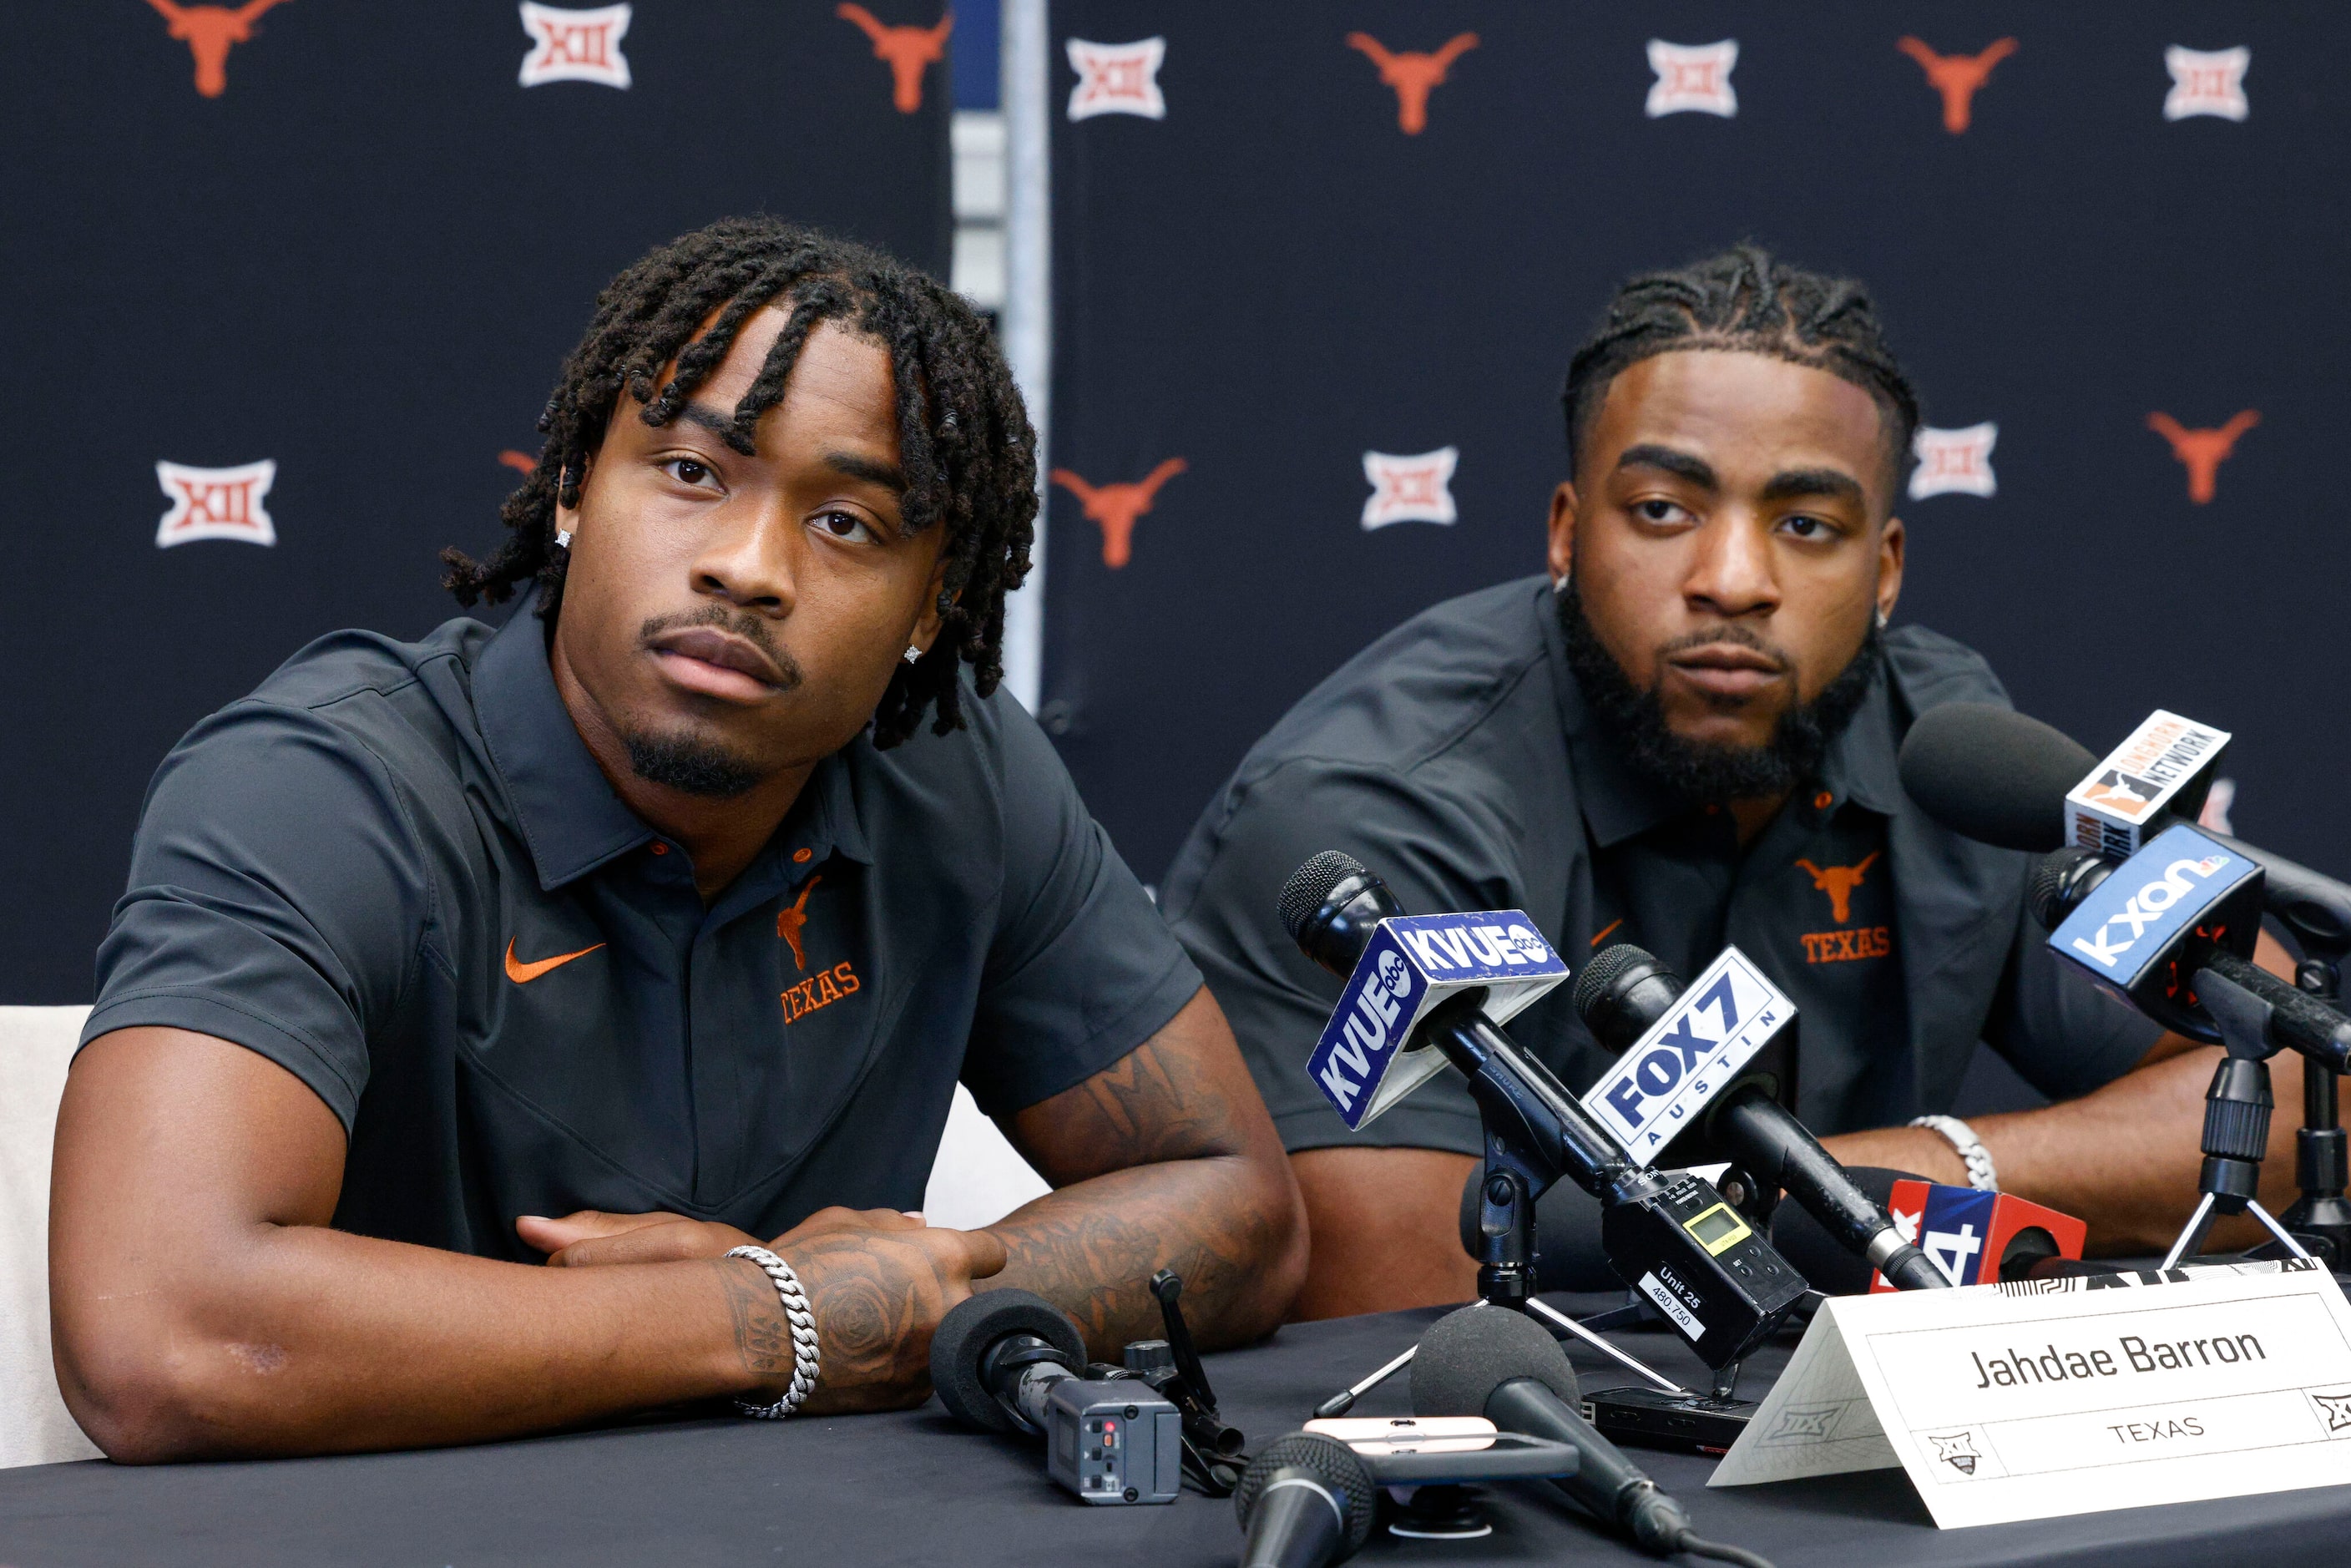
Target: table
916, 1488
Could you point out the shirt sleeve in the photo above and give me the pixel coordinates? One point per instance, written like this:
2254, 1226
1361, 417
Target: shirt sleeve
1223, 902
277, 899
1080, 969
2061, 1034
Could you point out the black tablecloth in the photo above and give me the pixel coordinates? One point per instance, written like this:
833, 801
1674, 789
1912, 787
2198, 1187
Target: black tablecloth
916, 1488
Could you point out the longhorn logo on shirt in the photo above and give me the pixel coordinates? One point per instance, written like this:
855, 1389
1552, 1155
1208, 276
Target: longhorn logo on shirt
1417, 489
2207, 82
1954, 462
575, 45
216, 503
1117, 507
1117, 79
1692, 79
1412, 74
209, 31
907, 51
1839, 881
1956, 76
2201, 452
791, 920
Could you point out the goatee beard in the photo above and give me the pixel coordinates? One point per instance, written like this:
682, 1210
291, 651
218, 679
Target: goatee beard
690, 765
1702, 773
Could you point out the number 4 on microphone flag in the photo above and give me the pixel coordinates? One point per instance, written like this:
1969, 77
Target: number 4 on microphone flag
1412, 963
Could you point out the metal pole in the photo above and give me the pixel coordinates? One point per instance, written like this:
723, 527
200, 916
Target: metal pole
1026, 322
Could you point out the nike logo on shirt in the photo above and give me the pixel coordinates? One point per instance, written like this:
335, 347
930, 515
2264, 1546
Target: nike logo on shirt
523, 974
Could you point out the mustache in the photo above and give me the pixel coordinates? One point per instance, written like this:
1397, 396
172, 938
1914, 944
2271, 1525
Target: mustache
752, 629
1730, 632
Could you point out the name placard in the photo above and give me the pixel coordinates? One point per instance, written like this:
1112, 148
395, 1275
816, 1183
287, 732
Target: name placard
2060, 1396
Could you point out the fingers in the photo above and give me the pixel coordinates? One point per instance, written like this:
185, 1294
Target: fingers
553, 1235
984, 1252
826, 1220
675, 1241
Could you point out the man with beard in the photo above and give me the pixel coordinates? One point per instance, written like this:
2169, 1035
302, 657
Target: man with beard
1685, 737
647, 938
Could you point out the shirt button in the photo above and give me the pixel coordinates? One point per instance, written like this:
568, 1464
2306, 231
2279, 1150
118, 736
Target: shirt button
801, 857
660, 849
1821, 802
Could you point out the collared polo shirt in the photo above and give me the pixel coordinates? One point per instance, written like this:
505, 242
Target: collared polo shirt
1457, 759
396, 870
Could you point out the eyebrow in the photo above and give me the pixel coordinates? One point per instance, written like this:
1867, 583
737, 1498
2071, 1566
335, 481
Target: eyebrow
1648, 454
1798, 482
889, 475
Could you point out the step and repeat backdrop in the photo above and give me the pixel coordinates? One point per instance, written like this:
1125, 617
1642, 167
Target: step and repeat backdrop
288, 284
1319, 267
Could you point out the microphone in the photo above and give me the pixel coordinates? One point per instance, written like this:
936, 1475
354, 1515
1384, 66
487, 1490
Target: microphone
1304, 1502
1007, 1361
1491, 1361
1669, 1234
1993, 775
1626, 990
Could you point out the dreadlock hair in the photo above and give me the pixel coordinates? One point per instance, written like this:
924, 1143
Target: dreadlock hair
1743, 298
964, 435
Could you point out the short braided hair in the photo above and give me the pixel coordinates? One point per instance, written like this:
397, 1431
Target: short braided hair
964, 437
1746, 300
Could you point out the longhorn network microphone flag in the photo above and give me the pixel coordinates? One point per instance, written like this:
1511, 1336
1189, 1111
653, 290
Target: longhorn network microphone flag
1413, 962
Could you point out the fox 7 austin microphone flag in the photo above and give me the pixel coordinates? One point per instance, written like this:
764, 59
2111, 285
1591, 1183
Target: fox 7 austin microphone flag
1413, 962
1684, 1059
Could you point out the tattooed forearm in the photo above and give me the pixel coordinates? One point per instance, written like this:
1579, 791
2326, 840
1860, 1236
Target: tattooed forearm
1164, 1160
763, 1338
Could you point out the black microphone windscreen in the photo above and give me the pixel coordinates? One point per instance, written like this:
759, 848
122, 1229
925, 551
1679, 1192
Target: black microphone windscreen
1311, 883
1819, 1257
1607, 966
1993, 774
974, 1324
1338, 1467
1467, 1354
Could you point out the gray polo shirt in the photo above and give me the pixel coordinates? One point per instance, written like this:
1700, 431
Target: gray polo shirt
1456, 758
396, 871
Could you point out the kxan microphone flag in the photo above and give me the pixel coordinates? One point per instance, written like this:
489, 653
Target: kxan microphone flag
2182, 896
1412, 963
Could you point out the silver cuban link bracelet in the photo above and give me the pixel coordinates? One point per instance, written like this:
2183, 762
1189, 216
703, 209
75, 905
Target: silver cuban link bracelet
803, 1322
1972, 1154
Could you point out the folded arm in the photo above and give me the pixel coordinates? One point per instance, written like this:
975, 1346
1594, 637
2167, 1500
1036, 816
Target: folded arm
202, 1306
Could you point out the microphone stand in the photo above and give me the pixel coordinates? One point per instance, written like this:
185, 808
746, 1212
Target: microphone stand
2321, 1219
2236, 1116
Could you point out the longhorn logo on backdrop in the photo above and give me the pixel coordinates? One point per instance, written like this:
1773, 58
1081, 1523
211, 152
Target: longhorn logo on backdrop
2201, 452
1115, 507
575, 45
1956, 76
1692, 79
2206, 82
1412, 74
1417, 489
209, 31
906, 50
216, 503
1117, 79
1954, 462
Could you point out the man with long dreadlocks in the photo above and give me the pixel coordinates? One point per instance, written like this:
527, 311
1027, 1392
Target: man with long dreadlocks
648, 937
1684, 735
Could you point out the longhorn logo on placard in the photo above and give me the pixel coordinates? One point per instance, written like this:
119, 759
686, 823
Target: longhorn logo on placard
1417, 488
1412, 74
1956, 76
907, 51
2201, 452
209, 31
1954, 462
1692, 79
216, 503
1117, 79
2207, 82
575, 45
1117, 507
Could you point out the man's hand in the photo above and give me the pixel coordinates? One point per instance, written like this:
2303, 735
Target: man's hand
878, 1282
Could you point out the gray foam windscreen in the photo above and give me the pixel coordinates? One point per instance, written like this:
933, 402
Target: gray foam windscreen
1467, 1354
